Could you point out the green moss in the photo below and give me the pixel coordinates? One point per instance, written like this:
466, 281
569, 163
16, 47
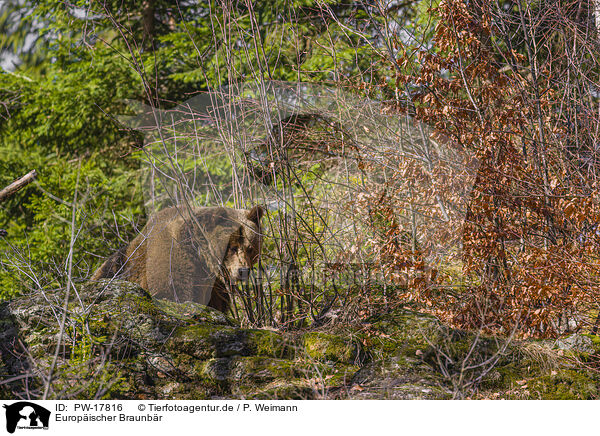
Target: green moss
291, 379
243, 370
85, 381
401, 332
267, 343
258, 369
531, 374
403, 323
339, 376
166, 350
502, 377
132, 304
595, 343
566, 384
328, 347
193, 312
205, 341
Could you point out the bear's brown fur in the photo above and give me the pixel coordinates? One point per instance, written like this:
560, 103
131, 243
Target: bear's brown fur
190, 254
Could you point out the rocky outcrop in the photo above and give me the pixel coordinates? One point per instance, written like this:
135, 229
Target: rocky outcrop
118, 342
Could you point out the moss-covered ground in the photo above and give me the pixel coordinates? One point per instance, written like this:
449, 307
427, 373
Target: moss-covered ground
118, 342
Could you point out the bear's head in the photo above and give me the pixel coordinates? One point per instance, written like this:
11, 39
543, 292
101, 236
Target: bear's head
243, 247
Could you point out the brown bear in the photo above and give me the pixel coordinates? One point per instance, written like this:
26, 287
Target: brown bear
190, 253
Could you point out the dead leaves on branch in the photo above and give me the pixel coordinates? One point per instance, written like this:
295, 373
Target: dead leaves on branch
531, 239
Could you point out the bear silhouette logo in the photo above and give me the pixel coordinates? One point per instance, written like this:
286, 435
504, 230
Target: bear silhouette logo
28, 415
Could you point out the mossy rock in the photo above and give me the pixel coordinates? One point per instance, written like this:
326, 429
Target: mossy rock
559, 384
579, 343
205, 341
253, 370
193, 312
566, 384
399, 379
400, 332
462, 352
329, 347
120, 343
156, 348
111, 320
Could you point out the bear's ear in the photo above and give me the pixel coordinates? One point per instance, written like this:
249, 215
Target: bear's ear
255, 214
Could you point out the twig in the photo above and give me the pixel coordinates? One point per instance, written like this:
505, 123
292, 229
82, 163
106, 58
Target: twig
17, 185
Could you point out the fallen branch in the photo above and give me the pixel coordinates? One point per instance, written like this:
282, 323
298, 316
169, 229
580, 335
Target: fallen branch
14, 187
17, 185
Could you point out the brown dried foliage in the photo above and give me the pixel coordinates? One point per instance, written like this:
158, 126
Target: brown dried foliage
531, 239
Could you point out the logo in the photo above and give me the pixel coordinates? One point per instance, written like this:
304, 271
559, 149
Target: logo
26, 415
